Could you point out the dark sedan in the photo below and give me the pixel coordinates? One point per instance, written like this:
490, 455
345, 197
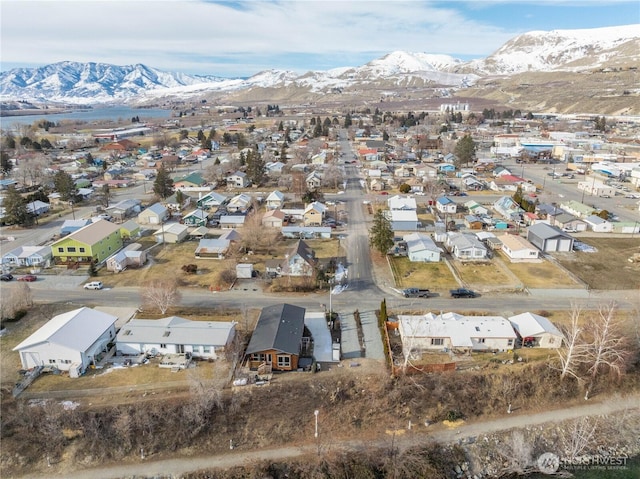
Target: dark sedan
463, 293
6, 277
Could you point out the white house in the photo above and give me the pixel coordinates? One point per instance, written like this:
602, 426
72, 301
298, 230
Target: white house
37, 207
598, 225
239, 203
27, 256
518, 248
275, 200
175, 335
69, 341
465, 246
446, 205
238, 180
404, 203
420, 247
454, 331
536, 331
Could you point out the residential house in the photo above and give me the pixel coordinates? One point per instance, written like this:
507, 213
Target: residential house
508, 209
239, 204
273, 219
69, 342
313, 181
124, 209
275, 200
420, 247
197, 217
465, 246
129, 229
177, 202
452, 331
549, 239
577, 209
176, 335
536, 331
476, 208
598, 224
192, 180
232, 221
377, 184
306, 232
212, 248
92, 243
27, 256
171, 233
416, 185
274, 168
300, 260
69, 226
472, 222
211, 200
403, 220
155, 214
238, 180
446, 205
131, 256
567, 222
277, 339
314, 214
404, 203
37, 207
518, 249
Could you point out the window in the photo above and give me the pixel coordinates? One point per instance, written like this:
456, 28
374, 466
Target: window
258, 357
65, 361
284, 361
552, 340
163, 346
71, 249
60, 250
437, 341
195, 348
52, 361
206, 349
481, 340
82, 250
510, 342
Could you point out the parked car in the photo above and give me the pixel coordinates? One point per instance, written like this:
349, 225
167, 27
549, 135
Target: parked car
462, 293
416, 293
6, 277
28, 277
93, 285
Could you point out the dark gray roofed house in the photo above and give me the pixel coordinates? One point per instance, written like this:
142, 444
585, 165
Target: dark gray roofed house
549, 239
277, 338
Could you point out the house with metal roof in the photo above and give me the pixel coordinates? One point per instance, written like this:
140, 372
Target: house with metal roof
420, 247
27, 256
131, 255
70, 341
446, 205
598, 224
465, 246
277, 340
197, 217
155, 214
275, 200
175, 335
536, 331
171, 233
212, 248
402, 220
452, 331
518, 249
211, 199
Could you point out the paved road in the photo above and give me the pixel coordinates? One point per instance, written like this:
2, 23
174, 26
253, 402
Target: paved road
181, 465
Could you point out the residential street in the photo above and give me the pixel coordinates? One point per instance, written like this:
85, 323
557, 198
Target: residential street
180, 465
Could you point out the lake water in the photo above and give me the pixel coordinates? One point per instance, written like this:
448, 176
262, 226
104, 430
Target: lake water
107, 113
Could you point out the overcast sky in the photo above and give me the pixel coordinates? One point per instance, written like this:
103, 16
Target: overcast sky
241, 38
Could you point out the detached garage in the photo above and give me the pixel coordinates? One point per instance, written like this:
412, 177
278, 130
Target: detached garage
549, 239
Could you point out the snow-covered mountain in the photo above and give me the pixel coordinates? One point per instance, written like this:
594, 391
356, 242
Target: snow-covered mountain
92, 83
563, 50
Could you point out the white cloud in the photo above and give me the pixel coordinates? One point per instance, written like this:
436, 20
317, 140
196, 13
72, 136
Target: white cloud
216, 38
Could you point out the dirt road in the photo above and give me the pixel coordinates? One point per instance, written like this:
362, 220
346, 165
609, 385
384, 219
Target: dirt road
148, 467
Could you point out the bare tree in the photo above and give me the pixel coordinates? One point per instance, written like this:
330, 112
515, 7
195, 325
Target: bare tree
332, 175
21, 299
252, 231
573, 352
161, 293
609, 348
579, 436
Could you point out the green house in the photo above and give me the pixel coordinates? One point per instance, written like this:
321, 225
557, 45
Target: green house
94, 242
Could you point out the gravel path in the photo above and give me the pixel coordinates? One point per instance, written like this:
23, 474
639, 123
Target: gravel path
181, 465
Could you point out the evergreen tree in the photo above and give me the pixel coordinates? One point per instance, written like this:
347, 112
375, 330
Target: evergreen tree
347, 120
465, 149
255, 167
163, 184
381, 234
385, 135
65, 185
15, 208
5, 165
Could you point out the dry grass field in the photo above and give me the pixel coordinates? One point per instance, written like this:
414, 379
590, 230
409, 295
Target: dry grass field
167, 261
484, 275
609, 267
433, 276
540, 275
